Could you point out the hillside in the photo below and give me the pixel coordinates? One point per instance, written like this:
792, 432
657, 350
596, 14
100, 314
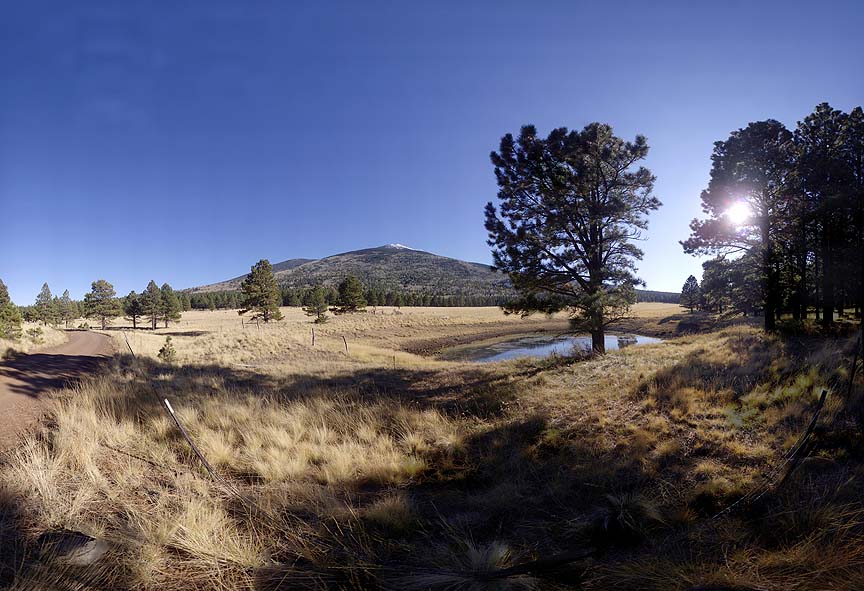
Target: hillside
390, 267
232, 284
399, 268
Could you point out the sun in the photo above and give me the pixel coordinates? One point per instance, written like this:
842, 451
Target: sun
738, 213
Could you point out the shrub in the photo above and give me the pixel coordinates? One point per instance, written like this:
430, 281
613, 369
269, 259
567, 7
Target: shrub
35, 335
168, 354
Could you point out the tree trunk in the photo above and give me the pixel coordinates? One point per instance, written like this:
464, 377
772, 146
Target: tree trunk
827, 279
598, 342
768, 287
817, 278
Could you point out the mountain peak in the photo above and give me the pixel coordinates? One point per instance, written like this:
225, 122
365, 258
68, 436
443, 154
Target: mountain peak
397, 246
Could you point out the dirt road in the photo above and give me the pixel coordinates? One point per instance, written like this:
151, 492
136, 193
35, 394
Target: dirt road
26, 379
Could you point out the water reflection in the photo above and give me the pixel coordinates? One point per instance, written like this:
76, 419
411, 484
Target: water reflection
545, 345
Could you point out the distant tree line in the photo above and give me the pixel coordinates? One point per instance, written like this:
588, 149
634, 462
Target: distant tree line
663, 297
786, 219
296, 296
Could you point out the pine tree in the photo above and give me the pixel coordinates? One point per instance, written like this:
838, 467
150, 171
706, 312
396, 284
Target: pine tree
101, 302
46, 313
571, 207
10, 316
316, 305
260, 293
133, 308
351, 298
169, 310
151, 302
67, 308
690, 293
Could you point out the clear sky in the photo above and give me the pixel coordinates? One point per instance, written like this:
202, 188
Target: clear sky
183, 141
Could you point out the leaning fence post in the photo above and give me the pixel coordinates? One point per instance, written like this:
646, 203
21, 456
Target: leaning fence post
344, 340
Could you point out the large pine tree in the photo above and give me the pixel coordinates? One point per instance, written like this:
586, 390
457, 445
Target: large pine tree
570, 207
260, 293
133, 308
45, 310
170, 308
690, 293
351, 296
67, 308
151, 302
101, 302
315, 304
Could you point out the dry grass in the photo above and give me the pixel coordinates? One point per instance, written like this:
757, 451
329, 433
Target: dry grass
355, 474
35, 336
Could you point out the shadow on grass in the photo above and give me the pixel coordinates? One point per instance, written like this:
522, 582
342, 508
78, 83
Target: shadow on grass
522, 480
12, 540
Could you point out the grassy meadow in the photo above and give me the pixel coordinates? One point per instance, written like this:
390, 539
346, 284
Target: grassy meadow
34, 336
385, 467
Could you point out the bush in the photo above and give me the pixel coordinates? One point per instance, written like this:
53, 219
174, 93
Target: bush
35, 335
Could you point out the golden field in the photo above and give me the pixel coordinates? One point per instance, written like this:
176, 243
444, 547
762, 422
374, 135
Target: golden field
384, 467
34, 336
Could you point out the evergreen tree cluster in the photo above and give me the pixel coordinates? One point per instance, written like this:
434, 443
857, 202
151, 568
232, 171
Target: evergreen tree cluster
214, 300
52, 310
153, 305
798, 248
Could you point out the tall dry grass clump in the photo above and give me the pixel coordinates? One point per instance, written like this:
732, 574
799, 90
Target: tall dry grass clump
112, 464
34, 336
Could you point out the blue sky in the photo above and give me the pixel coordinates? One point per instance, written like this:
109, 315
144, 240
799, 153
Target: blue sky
183, 141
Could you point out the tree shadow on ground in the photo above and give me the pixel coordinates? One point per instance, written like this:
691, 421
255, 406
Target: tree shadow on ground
36, 373
12, 539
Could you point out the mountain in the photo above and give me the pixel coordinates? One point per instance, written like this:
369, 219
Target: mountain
400, 268
389, 267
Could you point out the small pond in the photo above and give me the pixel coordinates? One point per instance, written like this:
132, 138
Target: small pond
540, 345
